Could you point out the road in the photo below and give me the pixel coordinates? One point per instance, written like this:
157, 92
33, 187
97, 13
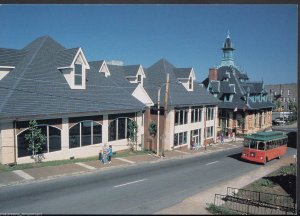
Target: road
142, 189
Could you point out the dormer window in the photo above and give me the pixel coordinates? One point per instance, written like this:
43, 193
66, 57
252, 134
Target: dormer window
139, 78
78, 74
74, 68
190, 83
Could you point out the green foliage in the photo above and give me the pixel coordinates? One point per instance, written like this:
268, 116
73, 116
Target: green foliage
287, 170
265, 182
293, 106
221, 210
35, 138
152, 128
132, 130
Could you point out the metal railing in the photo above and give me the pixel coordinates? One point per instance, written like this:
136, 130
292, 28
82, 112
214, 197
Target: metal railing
247, 206
261, 197
254, 202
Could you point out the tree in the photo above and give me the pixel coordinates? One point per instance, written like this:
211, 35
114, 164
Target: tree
132, 129
35, 138
278, 105
152, 128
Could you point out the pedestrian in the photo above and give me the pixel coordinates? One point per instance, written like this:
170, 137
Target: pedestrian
104, 154
222, 138
110, 153
100, 156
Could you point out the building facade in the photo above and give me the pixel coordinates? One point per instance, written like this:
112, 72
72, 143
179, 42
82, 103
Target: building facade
78, 105
244, 106
187, 112
285, 93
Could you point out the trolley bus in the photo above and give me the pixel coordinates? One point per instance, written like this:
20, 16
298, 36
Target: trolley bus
264, 146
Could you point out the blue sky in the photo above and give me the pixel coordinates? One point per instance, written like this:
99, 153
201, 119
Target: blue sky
265, 36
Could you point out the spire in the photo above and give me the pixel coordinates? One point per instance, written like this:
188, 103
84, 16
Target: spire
228, 52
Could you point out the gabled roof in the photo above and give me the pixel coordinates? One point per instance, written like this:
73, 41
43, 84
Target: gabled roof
236, 87
182, 73
37, 88
178, 95
65, 57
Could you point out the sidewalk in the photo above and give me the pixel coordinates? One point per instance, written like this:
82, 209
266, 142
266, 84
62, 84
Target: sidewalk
50, 172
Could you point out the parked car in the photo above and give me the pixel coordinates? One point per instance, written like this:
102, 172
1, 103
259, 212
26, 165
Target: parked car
279, 121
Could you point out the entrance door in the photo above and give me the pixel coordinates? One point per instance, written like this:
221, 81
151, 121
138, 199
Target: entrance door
196, 137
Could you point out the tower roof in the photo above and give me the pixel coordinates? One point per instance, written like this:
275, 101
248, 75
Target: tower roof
228, 45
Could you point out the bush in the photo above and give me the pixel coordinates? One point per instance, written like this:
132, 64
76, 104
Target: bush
266, 182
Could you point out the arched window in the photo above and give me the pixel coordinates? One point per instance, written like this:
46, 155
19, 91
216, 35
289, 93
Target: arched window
51, 144
117, 129
85, 133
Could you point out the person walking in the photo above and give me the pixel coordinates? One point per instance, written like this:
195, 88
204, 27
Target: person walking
110, 153
222, 138
105, 154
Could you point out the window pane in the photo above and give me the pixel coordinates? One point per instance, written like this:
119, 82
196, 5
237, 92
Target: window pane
78, 74
192, 116
181, 117
112, 131
23, 145
200, 115
180, 138
86, 130
184, 137
185, 116
54, 139
121, 128
176, 117
175, 139
74, 139
196, 115
97, 133
78, 80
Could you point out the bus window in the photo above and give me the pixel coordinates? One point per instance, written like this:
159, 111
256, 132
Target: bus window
252, 144
268, 146
261, 146
246, 143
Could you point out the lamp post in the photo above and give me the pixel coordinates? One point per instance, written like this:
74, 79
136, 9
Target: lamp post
158, 113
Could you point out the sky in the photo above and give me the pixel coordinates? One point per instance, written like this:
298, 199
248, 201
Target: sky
264, 36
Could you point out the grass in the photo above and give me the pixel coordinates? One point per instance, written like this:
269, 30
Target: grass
7, 168
221, 210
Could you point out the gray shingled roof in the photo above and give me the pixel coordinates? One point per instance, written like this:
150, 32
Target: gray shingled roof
37, 88
65, 57
178, 95
10, 57
240, 89
182, 73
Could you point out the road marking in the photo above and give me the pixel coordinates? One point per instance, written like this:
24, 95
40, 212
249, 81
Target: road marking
23, 174
212, 162
128, 161
182, 152
86, 166
129, 183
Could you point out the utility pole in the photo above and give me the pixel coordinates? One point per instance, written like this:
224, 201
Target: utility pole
158, 108
204, 132
165, 114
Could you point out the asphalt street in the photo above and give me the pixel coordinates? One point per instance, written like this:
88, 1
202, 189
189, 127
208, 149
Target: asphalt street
142, 189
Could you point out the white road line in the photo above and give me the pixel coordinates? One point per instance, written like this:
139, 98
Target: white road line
212, 162
182, 152
23, 174
128, 161
129, 183
86, 166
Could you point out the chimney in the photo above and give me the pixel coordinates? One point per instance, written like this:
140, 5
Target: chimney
212, 74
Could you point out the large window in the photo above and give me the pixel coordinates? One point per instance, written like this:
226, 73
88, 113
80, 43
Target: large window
209, 113
139, 78
85, 133
78, 74
180, 138
181, 117
209, 132
51, 144
196, 115
117, 129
